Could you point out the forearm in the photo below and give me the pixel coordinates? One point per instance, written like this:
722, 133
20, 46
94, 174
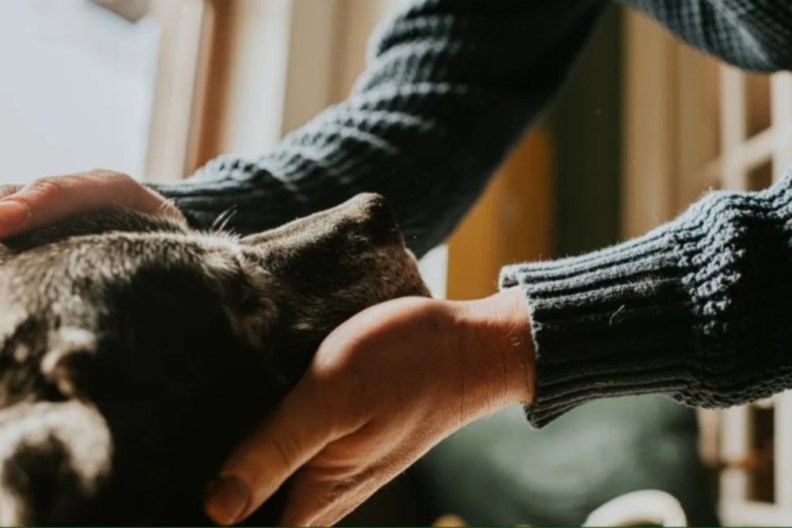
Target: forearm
450, 88
698, 309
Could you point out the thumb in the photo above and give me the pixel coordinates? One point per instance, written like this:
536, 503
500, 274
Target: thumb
271, 454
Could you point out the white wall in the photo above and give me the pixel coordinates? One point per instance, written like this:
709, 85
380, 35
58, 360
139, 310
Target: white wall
75, 89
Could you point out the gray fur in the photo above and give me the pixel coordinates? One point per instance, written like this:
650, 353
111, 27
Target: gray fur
134, 351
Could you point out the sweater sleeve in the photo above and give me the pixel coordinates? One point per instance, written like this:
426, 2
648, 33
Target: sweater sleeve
451, 86
699, 309
751, 34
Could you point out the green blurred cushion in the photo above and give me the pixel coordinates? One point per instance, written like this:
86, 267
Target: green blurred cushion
501, 471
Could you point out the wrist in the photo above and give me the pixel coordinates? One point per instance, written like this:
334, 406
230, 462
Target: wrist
499, 345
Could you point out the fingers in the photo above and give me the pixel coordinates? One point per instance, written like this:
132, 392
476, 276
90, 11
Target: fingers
49, 200
6, 190
291, 437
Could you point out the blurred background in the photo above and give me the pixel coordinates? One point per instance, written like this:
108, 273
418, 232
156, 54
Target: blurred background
155, 88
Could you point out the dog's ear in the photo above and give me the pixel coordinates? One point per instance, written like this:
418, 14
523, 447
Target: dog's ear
61, 453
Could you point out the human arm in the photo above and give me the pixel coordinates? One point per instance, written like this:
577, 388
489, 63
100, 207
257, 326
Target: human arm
471, 76
382, 389
697, 309
751, 34
450, 87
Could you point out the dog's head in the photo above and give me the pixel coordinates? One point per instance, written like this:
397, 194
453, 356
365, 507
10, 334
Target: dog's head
134, 351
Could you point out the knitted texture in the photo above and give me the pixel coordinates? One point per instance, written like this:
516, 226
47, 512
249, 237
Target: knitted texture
450, 88
753, 34
698, 309
452, 85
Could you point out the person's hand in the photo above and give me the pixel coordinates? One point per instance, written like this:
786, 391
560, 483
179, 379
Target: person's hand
48, 200
383, 388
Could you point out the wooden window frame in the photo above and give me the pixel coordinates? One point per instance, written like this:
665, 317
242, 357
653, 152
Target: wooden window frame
668, 116
180, 86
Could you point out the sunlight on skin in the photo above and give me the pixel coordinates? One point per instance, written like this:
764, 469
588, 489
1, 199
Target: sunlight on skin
48, 200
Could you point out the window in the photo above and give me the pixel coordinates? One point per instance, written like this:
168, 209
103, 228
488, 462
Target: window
82, 82
693, 124
756, 440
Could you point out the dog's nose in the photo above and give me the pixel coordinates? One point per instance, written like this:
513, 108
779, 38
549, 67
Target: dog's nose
375, 217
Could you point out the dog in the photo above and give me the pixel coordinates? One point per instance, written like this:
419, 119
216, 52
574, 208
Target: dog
136, 351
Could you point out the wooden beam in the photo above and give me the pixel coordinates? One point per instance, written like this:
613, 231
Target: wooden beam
781, 104
650, 158
781, 86
178, 89
734, 171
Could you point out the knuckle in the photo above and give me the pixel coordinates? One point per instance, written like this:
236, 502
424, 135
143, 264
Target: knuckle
336, 501
109, 177
322, 498
7, 190
341, 491
45, 187
287, 449
318, 494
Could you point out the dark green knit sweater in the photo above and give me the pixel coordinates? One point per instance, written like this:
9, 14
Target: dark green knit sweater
700, 309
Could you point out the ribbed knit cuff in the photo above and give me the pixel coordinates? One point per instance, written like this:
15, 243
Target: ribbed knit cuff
598, 322
698, 309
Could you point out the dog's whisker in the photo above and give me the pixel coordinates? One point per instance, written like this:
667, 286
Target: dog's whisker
222, 221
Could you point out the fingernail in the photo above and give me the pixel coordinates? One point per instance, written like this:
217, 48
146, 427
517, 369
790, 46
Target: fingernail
13, 213
226, 500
